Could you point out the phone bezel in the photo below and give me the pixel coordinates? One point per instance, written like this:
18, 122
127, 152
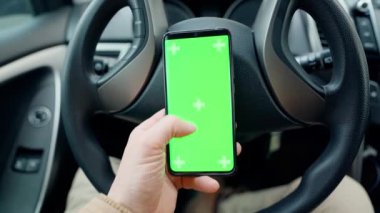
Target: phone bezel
195, 34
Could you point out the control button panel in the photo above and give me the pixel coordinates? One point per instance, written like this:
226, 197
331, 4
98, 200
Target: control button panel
27, 160
316, 61
366, 33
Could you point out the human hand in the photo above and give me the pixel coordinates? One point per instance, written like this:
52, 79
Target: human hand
142, 183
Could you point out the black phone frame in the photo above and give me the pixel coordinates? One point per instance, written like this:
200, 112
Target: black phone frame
195, 34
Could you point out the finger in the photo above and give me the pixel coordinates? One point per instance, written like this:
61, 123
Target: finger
152, 120
238, 148
204, 184
169, 127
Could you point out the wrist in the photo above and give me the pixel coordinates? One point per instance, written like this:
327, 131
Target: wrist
117, 195
114, 204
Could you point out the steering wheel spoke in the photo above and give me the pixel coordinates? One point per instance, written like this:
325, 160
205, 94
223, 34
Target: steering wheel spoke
298, 96
125, 81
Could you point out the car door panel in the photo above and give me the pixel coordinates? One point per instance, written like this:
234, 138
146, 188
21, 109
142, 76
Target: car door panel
32, 35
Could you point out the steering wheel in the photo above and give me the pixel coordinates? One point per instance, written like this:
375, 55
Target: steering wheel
272, 92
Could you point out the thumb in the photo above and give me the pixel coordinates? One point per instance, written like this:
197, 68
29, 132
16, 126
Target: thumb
169, 127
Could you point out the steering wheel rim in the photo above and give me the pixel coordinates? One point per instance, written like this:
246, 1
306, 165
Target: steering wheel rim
341, 105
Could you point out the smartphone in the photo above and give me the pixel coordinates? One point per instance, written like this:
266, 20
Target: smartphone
199, 89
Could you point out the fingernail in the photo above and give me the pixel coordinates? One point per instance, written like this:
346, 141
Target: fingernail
191, 126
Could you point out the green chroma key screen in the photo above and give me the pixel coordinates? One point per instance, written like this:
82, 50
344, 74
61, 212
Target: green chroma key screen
199, 90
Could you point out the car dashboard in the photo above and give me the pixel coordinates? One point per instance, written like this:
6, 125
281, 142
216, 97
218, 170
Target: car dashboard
34, 79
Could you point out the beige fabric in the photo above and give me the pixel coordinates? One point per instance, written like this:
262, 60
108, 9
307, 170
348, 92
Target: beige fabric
202, 203
82, 191
101, 204
348, 197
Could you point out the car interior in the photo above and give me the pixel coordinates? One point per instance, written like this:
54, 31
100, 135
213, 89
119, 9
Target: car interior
77, 76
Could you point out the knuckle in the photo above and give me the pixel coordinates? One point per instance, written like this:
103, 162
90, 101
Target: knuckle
171, 122
171, 119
